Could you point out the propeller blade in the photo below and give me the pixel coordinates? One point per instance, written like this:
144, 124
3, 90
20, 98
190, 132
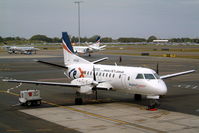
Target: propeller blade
94, 79
94, 76
157, 68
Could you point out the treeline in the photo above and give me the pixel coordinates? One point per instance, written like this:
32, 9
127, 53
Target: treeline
45, 39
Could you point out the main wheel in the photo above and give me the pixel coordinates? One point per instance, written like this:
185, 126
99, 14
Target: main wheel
153, 103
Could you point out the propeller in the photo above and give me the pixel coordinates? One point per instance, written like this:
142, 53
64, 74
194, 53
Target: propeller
94, 79
157, 68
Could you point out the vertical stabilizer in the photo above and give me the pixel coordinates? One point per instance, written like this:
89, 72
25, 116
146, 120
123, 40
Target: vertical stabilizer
97, 42
69, 56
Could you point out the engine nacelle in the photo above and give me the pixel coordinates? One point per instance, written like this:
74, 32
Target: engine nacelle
87, 85
87, 89
82, 81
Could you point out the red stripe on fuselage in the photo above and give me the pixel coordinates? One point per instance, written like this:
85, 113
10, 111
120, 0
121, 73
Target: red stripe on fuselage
66, 48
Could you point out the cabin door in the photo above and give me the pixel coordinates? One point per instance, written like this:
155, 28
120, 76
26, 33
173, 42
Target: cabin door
124, 81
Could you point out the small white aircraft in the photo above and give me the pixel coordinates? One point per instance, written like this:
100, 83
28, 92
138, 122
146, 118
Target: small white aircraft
88, 77
20, 50
89, 49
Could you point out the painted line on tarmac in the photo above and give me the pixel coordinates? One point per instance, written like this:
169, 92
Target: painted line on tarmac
119, 122
43, 130
2, 91
14, 130
14, 87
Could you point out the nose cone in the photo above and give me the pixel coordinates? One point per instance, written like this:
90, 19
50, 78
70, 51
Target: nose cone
162, 87
159, 87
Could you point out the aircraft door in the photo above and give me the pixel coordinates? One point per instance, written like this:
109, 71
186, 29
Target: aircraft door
124, 81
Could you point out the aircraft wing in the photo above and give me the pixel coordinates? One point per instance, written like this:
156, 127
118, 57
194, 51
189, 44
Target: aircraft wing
42, 83
176, 74
51, 64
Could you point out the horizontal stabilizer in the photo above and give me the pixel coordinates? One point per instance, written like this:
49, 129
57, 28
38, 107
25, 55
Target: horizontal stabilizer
100, 60
51, 64
102, 47
176, 74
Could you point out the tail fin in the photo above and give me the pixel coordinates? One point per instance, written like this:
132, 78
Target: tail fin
97, 43
98, 39
69, 55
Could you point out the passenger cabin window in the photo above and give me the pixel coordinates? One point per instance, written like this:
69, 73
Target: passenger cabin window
106, 74
120, 76
140, 76
149, 76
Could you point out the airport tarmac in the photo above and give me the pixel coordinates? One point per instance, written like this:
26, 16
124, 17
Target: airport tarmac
114, 112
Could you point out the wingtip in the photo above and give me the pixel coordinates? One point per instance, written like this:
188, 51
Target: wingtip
35, 60
4, 80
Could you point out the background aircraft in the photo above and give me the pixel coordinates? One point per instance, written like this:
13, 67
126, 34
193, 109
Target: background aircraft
20, 50
89, 49
88, 77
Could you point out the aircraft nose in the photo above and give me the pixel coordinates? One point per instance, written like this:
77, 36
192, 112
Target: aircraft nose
159, 87
162, 87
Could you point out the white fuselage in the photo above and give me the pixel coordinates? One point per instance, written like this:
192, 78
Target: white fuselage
24, 50
87, 49
121, 78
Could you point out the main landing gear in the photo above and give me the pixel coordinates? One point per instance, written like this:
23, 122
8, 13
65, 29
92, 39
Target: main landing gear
78, 99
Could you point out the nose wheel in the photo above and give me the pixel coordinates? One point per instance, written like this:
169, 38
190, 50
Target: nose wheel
153, 104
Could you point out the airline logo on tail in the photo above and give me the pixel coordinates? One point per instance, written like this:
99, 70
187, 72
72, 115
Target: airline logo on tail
98, 39
66, 43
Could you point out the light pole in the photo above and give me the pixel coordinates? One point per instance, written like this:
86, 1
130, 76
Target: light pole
78, 4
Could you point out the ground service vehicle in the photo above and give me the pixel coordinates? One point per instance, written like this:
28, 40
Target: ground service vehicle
30, 97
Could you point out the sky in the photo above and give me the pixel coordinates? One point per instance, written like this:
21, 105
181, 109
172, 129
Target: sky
108, 18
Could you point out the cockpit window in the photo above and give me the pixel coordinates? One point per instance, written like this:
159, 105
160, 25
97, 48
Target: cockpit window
149, 76
140, 76
156, 75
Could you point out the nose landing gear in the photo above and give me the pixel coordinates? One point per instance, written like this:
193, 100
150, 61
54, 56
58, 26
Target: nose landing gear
153, 104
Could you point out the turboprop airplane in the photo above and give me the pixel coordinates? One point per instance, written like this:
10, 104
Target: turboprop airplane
89, 49
88, 77
21, 50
